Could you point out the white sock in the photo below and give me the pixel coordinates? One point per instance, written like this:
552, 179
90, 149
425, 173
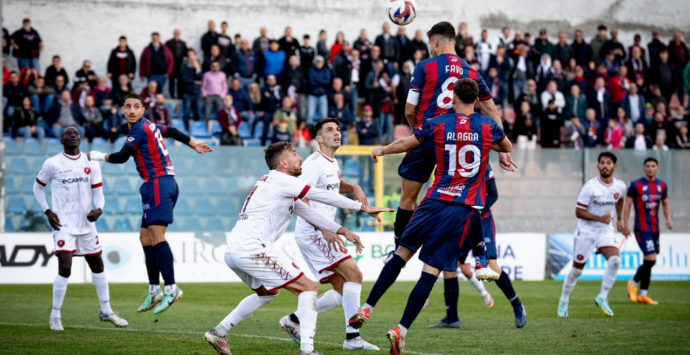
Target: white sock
478, 285
609, 277
169, 289
403, 331
306, 311
369, 307
101, 284
154, 288
328, 301
632, 282
351, 295
643, 293
243, 310
569, 283
59, 290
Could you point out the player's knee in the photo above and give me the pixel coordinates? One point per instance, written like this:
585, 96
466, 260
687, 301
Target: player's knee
450, 274
65, 269
266, 299
95, 264
650, 262
467, 272
651, 257
311, 286
615, 261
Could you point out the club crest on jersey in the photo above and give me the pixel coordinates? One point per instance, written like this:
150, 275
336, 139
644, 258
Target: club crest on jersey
61, 243
616, 196
130, 139
87, 170
580, 257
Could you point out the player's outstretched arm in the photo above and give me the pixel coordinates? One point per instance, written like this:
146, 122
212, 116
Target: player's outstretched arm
120, 157
335, 200
347, 188
174, 133
324, 224
399, 146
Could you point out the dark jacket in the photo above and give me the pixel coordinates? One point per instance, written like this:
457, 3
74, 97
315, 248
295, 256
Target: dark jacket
630, 143
582, 53
406, 49
292, 77
241, 100
420, 46
673, 57
112, 63
604, 109
342, 68
23, 118
243, 63
625, 104
14, 94
271, 99
145, 62
390, 51
52, 73
563, 53
367, 135
571, 109
54, 113
319, 81
189, 76
178, 49
344, 115
207, 41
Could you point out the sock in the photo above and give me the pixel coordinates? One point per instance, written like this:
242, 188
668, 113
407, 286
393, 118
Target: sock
478, 285
154, 288
328, 301
418, 296
386, 278
506, 286
353, 335
402, 218
633, 282
609, 277
151, 266
643, 293
451, 291
476, 236
569, 283
164, 258
306, 311
350, 300
644, 283
638, 275
403, 330
101, 284
59, 290
243, 310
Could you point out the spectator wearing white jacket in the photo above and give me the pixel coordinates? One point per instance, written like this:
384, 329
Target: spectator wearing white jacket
552, 93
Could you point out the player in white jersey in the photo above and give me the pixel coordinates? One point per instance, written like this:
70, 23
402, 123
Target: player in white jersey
73, 179
329, 264
596, 232
264, 217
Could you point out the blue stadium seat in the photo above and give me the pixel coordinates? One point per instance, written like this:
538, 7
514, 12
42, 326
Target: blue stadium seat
38, 165
18, 166
201, 167
175, 226
9, 227
182, 208
98, 141
102, 225
228, 207
112, 205
190, 187
215, 225
122, 187
13, 149
16, 205
122, 225
215, 128
243, 131
130, 168
11, 189
7, 137
171, 109
120, 141
199, 130
192, 225
203, 207
351, 168
258, 130
103, 146
108, 170
27, 187
36, 207
252, 143
179, 124
33, 149
133, 205
212, 143
53, 146
213, 187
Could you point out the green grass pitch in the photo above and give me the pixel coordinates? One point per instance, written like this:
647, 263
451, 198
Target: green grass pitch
24, 312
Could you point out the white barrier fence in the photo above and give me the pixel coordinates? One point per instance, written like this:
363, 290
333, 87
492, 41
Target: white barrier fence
28, 258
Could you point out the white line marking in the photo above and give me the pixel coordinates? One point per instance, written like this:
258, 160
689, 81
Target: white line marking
192, 333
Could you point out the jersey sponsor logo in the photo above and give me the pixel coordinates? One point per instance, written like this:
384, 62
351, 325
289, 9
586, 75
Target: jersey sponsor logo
131, 139
243, 217
462, 136
87, 170
75, 180
604, 203
146, 206
335, 186
616, 196
452, 190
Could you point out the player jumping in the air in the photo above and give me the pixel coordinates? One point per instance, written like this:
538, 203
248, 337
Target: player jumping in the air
450, 284
451, 209
430, 95
329, 264
158, 195
265, 216
595, 231
76, 182
646, 194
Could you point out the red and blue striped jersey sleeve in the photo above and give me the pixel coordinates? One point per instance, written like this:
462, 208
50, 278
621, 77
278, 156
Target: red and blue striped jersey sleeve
136, 137
664, 190
497, 133
425, 133
484, 91
418, 77
632, 190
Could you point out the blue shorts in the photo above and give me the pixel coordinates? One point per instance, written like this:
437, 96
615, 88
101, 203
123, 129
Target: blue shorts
489, 232
441, 228
158, 198
418, 164
648, 242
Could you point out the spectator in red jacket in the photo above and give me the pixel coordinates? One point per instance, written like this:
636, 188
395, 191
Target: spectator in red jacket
81, 92
619, 87
157, 62
149, 94
229, 120
159, 113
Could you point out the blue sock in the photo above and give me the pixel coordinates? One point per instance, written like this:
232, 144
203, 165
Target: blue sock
164, 257
402, 218
451, 291
387, 277
507, 287
152, 265
418, 296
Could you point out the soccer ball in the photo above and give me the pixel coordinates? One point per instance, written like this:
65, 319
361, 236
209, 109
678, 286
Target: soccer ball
402, 12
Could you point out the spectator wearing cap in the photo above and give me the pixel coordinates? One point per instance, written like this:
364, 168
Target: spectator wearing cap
306, 56
418, 44
648, 114
597, 43
274, 59
81, 91
25, 122
27, 45
157, 62
599, 99
654, 47
637, 65
390, 50
288, 44
41, 96
192, 80
582, 52
85, 72
613, 46
634, 105
551, 126
241, 101
664, 75
261, 43
319, 81
64, 114
209, 38
562, 50
178, 48
54, 70
542, 44
122, 61
214, 56
678, 56
214, 87
243, 64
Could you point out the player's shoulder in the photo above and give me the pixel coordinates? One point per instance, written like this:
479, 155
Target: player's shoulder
593, 182
482, 118
662, 183
53, 161
619, 183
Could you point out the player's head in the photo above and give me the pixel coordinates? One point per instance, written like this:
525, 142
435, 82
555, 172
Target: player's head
651, 167
465, 92
283, 157
606, 164
327, 133
70, 138
440, 35
133, 108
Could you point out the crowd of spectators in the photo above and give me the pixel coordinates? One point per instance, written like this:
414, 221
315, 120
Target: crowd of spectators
567, 93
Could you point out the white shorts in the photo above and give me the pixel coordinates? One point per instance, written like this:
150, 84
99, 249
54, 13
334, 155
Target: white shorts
77, 244
318, 256
584, 245
269, 268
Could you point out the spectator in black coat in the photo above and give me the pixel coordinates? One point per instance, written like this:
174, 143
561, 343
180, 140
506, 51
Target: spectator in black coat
224, 41
367, 132
342, 66
582, 52
654, 47
60, 85
86, 73
613, 45
54, 70
13, 92
342, 112
215, 56
580, 80
664, 75
292, 78
25, 122
637, 65
261, 43
122, 88
306, 56
122, 61
27, 46
192, 79
179, 51
562, 50
599, 99
338, 88
243, 63
271, 101
405, 46
113, 123
241, 101
362, 44
418, 44
209, 38
64, 114
390, 49
288, 44
678, 56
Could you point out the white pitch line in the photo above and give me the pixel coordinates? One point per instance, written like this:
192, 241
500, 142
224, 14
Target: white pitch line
183, 332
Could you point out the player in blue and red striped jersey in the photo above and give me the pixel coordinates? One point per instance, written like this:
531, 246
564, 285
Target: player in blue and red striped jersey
450, 212
158, 195
646, 194
430, 95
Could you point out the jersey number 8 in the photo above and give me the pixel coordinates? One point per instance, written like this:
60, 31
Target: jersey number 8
445, 99
468, 168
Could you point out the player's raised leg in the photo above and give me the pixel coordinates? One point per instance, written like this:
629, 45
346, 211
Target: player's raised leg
154, 295
506, 286
100, 282
164, 258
